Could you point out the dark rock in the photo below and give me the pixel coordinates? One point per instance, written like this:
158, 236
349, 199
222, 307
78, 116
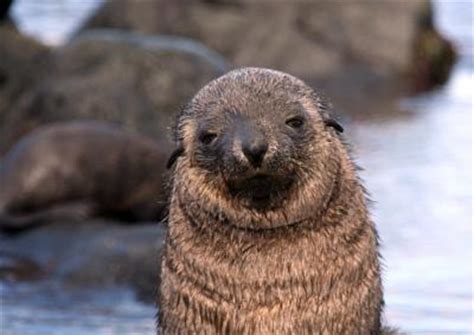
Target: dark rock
434, 56
94, 254
4, 8
355, 51
138, 82
310, 39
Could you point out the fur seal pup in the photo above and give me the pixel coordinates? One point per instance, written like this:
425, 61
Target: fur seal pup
84, 167
269, 231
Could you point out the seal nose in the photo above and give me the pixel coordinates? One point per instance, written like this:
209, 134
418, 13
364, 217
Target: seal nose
255, 152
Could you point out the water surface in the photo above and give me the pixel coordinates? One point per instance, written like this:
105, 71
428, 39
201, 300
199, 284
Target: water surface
418, 169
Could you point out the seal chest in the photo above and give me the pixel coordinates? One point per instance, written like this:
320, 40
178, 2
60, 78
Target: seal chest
269, 231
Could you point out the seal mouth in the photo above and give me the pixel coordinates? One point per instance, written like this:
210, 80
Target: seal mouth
259, 191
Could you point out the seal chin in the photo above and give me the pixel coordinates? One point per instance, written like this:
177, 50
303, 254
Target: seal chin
260, 191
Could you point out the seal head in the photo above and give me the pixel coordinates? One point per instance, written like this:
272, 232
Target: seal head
251, 137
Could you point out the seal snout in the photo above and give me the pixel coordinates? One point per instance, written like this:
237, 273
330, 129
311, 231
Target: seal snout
255, 150
253, 143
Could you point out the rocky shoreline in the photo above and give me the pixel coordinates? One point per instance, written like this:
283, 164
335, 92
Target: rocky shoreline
135, 63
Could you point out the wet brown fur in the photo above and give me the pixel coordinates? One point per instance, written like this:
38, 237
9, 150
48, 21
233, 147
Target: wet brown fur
307, 266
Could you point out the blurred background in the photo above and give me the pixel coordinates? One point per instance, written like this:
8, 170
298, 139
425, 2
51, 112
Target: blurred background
400, 74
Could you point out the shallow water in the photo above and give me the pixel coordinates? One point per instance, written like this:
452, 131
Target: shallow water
417, 168
52, 21
51, 309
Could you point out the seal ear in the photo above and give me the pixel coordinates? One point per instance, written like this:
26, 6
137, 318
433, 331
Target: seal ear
326, 109
174, 156
334, 124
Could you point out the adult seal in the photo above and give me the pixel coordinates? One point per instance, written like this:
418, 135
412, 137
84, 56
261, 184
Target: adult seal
82, 168
269, 231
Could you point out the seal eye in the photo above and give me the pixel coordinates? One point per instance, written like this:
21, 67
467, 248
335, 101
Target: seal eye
295, 122
207, 137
